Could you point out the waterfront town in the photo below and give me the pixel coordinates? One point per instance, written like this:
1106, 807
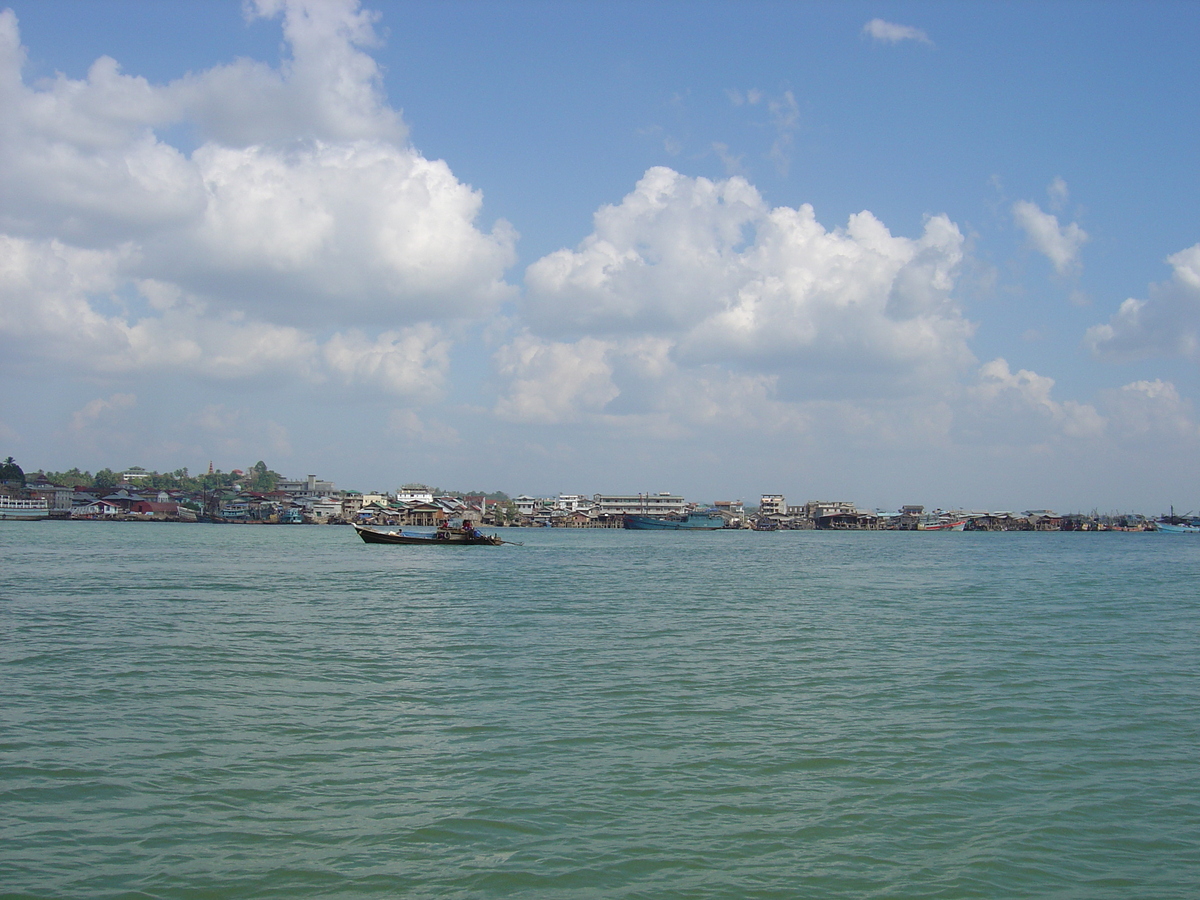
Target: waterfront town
261, 496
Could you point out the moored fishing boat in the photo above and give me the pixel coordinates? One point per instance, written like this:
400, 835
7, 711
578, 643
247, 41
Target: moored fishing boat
693, 522
25, 510
943, 525
1176, 528
465, 536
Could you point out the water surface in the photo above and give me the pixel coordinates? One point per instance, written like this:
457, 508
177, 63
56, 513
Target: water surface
236, 711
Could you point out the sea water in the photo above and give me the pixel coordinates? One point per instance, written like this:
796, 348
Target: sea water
197, 711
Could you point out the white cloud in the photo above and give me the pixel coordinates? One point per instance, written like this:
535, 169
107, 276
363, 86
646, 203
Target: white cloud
552, 381
1165, 324
785, 116
385, 234
407, 425
890, 33
1145, 410
68, 305
708, 267
303, 209
1059, 244
412, 362
94, 410
327, 89
1058, 193
1006, 407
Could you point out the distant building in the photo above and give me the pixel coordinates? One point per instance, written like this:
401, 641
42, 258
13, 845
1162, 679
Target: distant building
640, 504
414, 493
527, 505
309, 489
820, 509
772, 505
326, 508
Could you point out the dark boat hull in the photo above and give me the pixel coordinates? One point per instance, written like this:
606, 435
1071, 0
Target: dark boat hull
453, 539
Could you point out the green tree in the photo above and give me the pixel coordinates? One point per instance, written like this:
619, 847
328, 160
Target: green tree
105, 479
507, 512
11, 473
261, 478
69, 478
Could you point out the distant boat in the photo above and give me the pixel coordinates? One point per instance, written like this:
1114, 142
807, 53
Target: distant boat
944, 525
1170, 528
443, 537
693, 522
26, 510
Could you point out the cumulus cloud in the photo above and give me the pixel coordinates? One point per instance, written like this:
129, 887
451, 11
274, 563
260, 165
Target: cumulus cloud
1151, 409
413, 361
708, 268
1006, 407
64, 304
327, 88
1058, 193
1165, 324
883, 32
96, 409
553, 381
379, 230
302, 208
1059, 244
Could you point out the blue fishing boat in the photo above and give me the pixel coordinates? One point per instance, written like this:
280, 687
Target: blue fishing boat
693, 522
1176, 528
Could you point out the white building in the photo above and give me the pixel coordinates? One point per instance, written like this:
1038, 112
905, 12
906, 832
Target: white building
640, 504
309, 489
572, 502
414, 494
772, 505
527, 505
325, 509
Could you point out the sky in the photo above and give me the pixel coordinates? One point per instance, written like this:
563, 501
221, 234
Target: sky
889, 253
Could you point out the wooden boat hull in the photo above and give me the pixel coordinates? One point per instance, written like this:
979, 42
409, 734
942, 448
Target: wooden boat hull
942, 526
452, 539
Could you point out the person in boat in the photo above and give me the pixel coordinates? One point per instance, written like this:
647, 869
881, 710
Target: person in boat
469, 529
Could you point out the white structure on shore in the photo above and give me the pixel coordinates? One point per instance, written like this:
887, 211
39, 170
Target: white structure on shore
309, 489
664, 504
772, 505
414, 494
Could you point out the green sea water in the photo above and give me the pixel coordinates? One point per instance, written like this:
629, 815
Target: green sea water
193, 711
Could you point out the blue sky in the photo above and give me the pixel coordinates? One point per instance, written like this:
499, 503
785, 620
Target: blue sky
886, 252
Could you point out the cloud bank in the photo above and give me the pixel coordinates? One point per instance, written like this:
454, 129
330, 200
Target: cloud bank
302, 208
301, 241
